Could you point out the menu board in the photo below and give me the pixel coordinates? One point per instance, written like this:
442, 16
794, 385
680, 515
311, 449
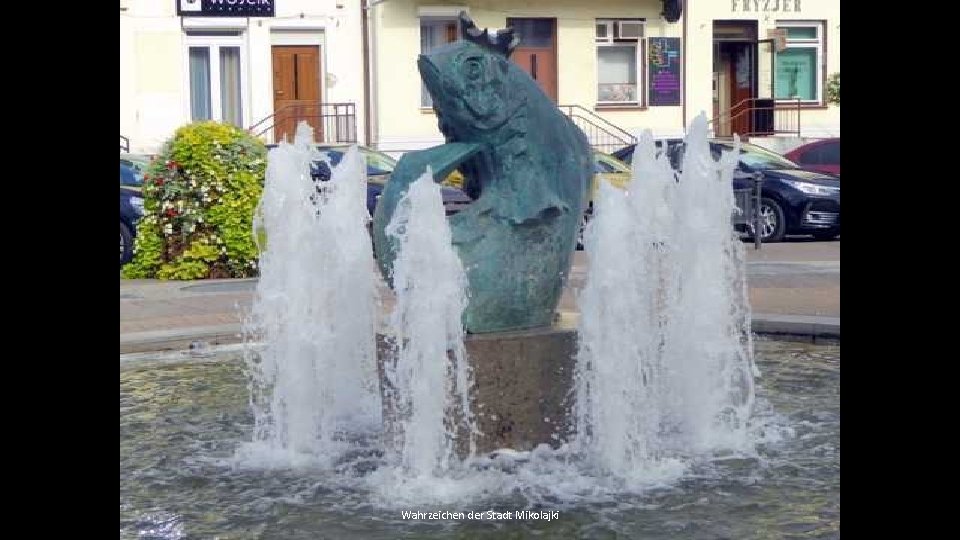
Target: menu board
664, 63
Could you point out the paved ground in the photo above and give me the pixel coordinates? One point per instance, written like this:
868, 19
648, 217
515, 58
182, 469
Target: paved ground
793, 282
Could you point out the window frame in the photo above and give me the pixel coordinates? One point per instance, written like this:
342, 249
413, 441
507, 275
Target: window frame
612, 39
213, 41
818, 44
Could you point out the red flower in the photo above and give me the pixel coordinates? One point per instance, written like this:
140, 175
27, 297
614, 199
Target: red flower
172, 165
159, 181
171, 212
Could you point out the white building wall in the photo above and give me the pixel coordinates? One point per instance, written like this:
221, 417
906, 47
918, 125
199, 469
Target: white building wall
401, 124
154, 79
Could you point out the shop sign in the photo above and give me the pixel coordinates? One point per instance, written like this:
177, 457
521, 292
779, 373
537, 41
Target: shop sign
779, 37
765, 6
225, 8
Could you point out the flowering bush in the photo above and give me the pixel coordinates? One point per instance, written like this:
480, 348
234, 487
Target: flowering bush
833, 89
199, 195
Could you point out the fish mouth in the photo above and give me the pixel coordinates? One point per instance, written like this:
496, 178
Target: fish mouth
430, 75
434, 81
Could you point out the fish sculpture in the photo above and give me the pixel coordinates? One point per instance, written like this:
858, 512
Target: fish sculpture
526, 166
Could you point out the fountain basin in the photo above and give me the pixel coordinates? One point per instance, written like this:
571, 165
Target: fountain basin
183, 416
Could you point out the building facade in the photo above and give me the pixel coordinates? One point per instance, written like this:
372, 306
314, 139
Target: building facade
239, 61
749, 65
625, 63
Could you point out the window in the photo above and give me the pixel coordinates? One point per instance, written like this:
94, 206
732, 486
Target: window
215, 66
619, 76
798, 67
435, 33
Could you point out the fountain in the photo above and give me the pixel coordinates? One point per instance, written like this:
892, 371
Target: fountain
647, 394
314, 383
424, 393
638, 417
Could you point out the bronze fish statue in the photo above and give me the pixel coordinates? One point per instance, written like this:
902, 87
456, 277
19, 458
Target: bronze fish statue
525, 164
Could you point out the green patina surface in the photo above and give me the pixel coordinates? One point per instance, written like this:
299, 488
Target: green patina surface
527, 166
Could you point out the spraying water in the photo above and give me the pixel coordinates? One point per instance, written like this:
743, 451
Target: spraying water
665, 366
314, 384
428, 376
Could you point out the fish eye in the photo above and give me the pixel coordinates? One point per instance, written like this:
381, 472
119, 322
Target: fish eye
472, 68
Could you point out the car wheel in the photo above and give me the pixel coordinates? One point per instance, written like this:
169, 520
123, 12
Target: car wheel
773, 224
828, 234
126, 244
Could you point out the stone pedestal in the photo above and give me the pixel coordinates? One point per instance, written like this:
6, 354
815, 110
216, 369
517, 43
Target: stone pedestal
523, 386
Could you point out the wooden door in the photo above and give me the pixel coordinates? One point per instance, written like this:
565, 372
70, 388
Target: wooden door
721, 104
296, 90
537, 52
741, 89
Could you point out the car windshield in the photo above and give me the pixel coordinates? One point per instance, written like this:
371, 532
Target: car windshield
606, 164
756, 158
130, 177
377, 163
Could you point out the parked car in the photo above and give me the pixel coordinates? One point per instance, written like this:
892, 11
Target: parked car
137, 162
794, 200
625, 154
379, 168
131, 209
822, 156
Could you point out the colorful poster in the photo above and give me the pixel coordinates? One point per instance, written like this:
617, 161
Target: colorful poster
664, 64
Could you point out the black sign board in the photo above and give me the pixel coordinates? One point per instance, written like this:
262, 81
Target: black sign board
663, 64
225, 8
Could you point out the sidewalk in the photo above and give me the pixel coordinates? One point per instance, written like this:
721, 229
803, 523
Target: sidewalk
794, 291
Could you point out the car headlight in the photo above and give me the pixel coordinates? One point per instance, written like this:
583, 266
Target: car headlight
812, 189
137, 204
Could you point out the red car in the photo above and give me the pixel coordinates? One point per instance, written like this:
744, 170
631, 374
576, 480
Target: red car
821, 156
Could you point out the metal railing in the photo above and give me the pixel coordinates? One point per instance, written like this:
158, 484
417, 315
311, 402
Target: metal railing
747, 212
764, 116
124, 144
332, 122
602, 134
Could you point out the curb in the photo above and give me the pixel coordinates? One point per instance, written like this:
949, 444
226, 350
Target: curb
179, 339
814, 329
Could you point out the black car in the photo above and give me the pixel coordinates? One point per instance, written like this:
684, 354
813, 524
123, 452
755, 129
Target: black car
794, 200
131, 208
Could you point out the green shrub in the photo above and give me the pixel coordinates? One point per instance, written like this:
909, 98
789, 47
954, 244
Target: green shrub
833, 89
199, 195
